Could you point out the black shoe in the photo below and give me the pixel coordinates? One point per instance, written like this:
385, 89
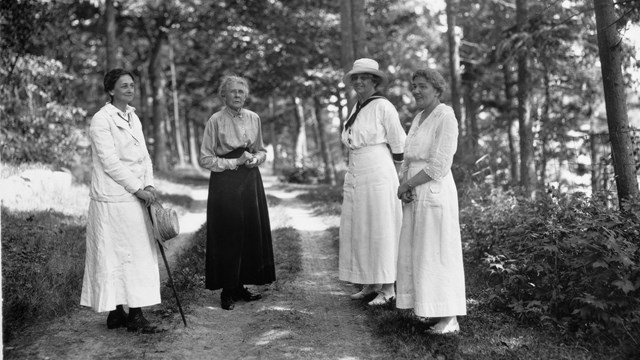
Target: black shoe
117, 318
140, 324
226, 301
244, 294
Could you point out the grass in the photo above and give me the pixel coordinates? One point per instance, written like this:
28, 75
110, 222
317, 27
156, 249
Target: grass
42, 266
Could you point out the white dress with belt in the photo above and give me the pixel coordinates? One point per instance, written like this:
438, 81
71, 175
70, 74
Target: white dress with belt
430, 267
121, 265
371, 212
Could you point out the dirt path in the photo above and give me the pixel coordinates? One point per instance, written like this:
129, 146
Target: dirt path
310, 317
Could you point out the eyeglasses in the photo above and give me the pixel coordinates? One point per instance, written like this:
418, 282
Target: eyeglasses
362, 77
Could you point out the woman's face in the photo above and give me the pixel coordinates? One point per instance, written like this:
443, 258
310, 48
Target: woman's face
235, 95
123, 90
424, 93
363, 85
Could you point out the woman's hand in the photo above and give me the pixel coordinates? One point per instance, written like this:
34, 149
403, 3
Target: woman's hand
147, 196
254, 162
407, 197
245, 158
403, 189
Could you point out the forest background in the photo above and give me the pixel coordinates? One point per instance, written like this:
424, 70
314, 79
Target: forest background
547, 169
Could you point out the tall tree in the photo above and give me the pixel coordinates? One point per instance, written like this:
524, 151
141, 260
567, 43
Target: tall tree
527, 161
454, 58
176, 109
358, 28
158, 81
610, 49
110, 32
327, 157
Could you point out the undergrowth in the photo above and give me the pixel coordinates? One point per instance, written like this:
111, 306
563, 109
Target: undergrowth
564, 260
42, 267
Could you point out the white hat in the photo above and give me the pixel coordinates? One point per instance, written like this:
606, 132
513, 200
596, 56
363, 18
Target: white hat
365, 66
165, 222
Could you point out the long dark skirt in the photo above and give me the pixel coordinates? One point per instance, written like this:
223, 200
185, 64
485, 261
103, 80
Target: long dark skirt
239, 244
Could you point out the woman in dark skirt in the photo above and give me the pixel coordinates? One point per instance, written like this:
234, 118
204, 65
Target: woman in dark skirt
239, 245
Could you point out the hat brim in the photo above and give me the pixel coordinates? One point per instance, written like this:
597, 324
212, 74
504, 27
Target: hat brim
347, 77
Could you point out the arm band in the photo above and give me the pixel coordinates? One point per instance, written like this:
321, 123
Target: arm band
398, 157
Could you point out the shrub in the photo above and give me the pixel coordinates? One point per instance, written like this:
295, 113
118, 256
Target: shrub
42, 266
562, 258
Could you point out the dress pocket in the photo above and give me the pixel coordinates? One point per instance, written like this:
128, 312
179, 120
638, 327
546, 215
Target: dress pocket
435, 187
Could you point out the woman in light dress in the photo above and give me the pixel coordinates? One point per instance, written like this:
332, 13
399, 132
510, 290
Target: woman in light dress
121, 266
430, 267
371, 213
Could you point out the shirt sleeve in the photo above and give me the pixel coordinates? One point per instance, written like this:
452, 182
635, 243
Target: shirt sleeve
440, 157
208, 158
258, 145
103, 140
395, 133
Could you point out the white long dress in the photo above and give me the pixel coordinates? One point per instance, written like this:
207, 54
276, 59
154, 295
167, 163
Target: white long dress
121, 265
430, 267
371, 212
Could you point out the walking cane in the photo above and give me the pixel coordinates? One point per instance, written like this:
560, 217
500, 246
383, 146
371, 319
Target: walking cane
156, 235
166, 263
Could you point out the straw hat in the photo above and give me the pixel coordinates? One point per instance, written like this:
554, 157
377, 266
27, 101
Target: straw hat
365, 66
165, 222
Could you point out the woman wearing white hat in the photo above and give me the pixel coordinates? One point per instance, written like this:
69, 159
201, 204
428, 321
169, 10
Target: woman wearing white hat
371, 213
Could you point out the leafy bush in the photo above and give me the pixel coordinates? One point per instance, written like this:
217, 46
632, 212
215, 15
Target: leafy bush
38, 124
42, 266
562, 258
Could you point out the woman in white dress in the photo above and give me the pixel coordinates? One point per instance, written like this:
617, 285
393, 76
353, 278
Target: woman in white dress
121, 266
430, 268
371, 213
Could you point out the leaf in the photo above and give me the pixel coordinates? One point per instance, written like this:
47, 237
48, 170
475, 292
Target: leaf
625, 285
600, 264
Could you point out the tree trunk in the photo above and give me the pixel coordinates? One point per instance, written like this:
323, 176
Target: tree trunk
511, 121
358, 28
610, 49
454, 58
327, 157
176, 110
527, 163
274, 136
544, 123
158, 84
147, 126
301, 139
110, 32
346, 49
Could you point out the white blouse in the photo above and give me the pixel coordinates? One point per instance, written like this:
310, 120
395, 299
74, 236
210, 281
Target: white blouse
434, 142
377, 123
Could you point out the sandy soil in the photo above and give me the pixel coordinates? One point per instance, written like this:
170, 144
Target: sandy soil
310, 317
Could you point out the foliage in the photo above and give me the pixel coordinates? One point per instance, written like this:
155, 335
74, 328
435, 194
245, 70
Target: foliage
38, 127
560, 258
42, 267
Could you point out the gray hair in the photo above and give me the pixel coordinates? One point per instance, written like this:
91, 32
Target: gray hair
433, 77
228, 79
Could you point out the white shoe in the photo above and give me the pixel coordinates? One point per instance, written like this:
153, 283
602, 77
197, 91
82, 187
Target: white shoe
447, 325
381, 299
366, 291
